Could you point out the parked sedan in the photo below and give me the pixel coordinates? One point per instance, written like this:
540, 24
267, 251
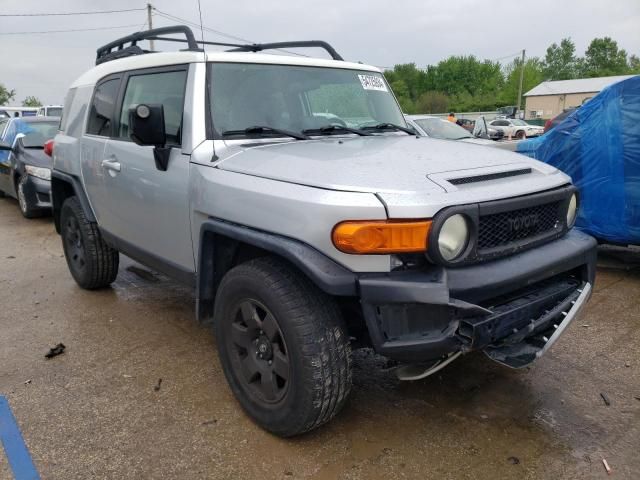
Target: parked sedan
436, 127
515, 128
25, 168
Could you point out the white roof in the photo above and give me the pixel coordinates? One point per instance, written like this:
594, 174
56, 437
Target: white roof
160, 59
579, 85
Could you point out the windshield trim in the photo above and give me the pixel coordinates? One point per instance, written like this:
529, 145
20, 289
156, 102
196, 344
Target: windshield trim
214, 134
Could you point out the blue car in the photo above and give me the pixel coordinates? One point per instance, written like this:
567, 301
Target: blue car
25, 168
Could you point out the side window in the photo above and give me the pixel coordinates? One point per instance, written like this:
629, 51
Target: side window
102, 108
166, 88
3, 125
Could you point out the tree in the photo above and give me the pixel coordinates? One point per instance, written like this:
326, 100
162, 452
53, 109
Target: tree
466, 74
6, 95
31, 102
533, 75
560, 62
603, 58
634, 64
432, 102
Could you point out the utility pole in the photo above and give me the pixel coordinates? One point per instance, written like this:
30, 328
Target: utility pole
521, 80
150, 22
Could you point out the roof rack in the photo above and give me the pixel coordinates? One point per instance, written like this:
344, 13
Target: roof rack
118, 49
107, 52
258, 47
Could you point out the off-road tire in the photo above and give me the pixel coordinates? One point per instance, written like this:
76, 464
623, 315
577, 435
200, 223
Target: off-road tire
92, 263
317, 345
26, 209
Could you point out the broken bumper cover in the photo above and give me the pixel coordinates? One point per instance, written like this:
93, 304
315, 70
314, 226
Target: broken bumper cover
38, 192
514, 308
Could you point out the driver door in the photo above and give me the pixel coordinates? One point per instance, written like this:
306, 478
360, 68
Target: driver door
149, 208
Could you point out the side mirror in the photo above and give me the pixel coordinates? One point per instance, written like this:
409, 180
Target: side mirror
18, 140
146, 128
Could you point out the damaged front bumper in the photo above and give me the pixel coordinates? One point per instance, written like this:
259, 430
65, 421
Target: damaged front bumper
513, 309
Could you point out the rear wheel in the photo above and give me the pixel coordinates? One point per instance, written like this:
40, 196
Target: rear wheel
92, 263
282, 346
520, 134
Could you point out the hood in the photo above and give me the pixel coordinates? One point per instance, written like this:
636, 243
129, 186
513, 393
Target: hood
377, 164
478, 141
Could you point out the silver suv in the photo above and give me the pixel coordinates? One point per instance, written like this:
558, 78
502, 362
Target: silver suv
290, 192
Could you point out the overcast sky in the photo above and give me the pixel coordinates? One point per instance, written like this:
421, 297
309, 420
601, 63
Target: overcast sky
378, 32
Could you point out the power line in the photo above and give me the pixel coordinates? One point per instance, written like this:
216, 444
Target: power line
168, 16
100, 12
72, 30
194, 24
507, 56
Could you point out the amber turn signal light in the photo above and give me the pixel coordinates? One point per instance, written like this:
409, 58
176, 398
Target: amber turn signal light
381, 237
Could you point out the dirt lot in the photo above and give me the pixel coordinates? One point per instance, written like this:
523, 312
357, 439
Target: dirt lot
93, 412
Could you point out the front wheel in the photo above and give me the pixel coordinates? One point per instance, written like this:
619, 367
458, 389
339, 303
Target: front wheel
92, 263
282, 345
26, 208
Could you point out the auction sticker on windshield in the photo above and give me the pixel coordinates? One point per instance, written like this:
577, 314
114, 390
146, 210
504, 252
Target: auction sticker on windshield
372, 82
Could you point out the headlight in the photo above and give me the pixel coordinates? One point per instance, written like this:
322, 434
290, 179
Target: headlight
40, 172
572, 211
453, 237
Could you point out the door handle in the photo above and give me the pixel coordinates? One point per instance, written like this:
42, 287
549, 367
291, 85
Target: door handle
109, 164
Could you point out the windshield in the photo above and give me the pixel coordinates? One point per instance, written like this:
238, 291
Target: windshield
36, 133
54, 111
297, 98
443, 129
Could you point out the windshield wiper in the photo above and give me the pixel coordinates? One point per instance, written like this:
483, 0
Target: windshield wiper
263, 130
391, 126
329, 129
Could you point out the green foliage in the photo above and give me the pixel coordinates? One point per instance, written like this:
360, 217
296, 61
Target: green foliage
533, 75
432, 102
465, 83
604, 58
6, 95
31, 102
560, 62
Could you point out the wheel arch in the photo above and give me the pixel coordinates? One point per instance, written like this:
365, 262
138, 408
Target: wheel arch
64, 186
223, 245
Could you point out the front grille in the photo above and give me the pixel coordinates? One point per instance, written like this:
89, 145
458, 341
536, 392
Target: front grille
517, 226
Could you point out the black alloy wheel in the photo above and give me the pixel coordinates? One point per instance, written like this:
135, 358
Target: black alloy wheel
260, 359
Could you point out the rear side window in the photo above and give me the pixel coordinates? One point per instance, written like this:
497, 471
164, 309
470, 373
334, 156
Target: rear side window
166, 88
102, 108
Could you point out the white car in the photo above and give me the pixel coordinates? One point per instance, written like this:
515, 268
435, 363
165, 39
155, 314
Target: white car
515, 128
50, 111
443, 129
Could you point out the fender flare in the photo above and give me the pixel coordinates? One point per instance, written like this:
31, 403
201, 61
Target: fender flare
328, 275
58, 196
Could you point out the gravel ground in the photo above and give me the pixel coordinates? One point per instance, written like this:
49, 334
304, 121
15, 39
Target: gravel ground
93, 412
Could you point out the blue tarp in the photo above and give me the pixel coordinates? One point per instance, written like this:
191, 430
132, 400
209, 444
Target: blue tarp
598, 145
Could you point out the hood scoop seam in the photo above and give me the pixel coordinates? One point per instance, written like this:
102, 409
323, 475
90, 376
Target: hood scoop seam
489, 176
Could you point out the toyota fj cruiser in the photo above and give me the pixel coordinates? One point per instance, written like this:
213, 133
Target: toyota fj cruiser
290, 192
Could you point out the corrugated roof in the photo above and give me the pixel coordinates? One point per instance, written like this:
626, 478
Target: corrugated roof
579, 85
